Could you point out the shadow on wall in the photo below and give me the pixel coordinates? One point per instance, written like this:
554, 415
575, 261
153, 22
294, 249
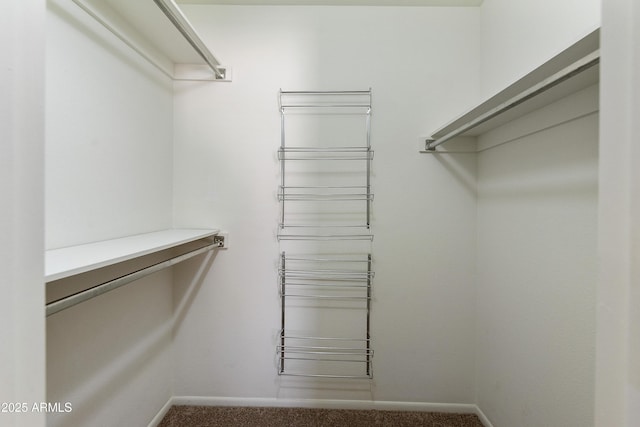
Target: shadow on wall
115, 346
185, 291
97, 349
458, 157
123, 54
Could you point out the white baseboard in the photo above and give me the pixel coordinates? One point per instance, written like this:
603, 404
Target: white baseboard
160, 415
320, 403
483, 418
324, 403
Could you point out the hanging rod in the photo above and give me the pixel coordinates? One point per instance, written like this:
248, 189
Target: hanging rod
70, 301
177, 18
173, 13
572, 70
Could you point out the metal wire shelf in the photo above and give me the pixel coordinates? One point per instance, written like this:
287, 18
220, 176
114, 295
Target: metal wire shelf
322, 353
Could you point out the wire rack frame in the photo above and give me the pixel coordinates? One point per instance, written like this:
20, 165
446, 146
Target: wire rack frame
324, 278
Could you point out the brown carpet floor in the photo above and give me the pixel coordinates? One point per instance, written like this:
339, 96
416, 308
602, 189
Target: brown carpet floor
216, 416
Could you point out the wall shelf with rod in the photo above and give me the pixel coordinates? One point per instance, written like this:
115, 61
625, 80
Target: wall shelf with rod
75, 274
160, 33
572, 70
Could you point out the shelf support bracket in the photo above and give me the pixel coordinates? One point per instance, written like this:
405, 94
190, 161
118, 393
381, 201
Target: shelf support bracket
220, 241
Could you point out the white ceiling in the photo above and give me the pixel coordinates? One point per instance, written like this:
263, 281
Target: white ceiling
340, 2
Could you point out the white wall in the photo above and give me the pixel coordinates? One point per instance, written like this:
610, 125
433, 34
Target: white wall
537, 267
109, 135
108, 174
110, 357
22, 363
618, 346
537, 222
422, 64
517, 36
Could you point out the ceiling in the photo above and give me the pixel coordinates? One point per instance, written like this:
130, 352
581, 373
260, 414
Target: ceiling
339, 2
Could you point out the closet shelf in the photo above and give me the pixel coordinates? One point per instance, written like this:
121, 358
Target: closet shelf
573, 69
160, 33
69, 261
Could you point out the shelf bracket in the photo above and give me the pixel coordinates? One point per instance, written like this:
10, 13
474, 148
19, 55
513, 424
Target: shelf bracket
427, 144
220, 240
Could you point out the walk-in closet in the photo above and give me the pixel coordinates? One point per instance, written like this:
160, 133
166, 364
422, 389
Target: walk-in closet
416, 206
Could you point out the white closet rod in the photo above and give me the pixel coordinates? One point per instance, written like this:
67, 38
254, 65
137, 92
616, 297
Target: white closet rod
70, 301
175, 15
572, 70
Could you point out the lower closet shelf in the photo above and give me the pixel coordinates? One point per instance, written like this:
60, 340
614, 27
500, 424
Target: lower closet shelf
79, 273
72, 260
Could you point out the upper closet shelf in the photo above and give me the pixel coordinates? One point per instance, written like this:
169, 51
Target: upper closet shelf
159, 32
66, 262
573, 69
